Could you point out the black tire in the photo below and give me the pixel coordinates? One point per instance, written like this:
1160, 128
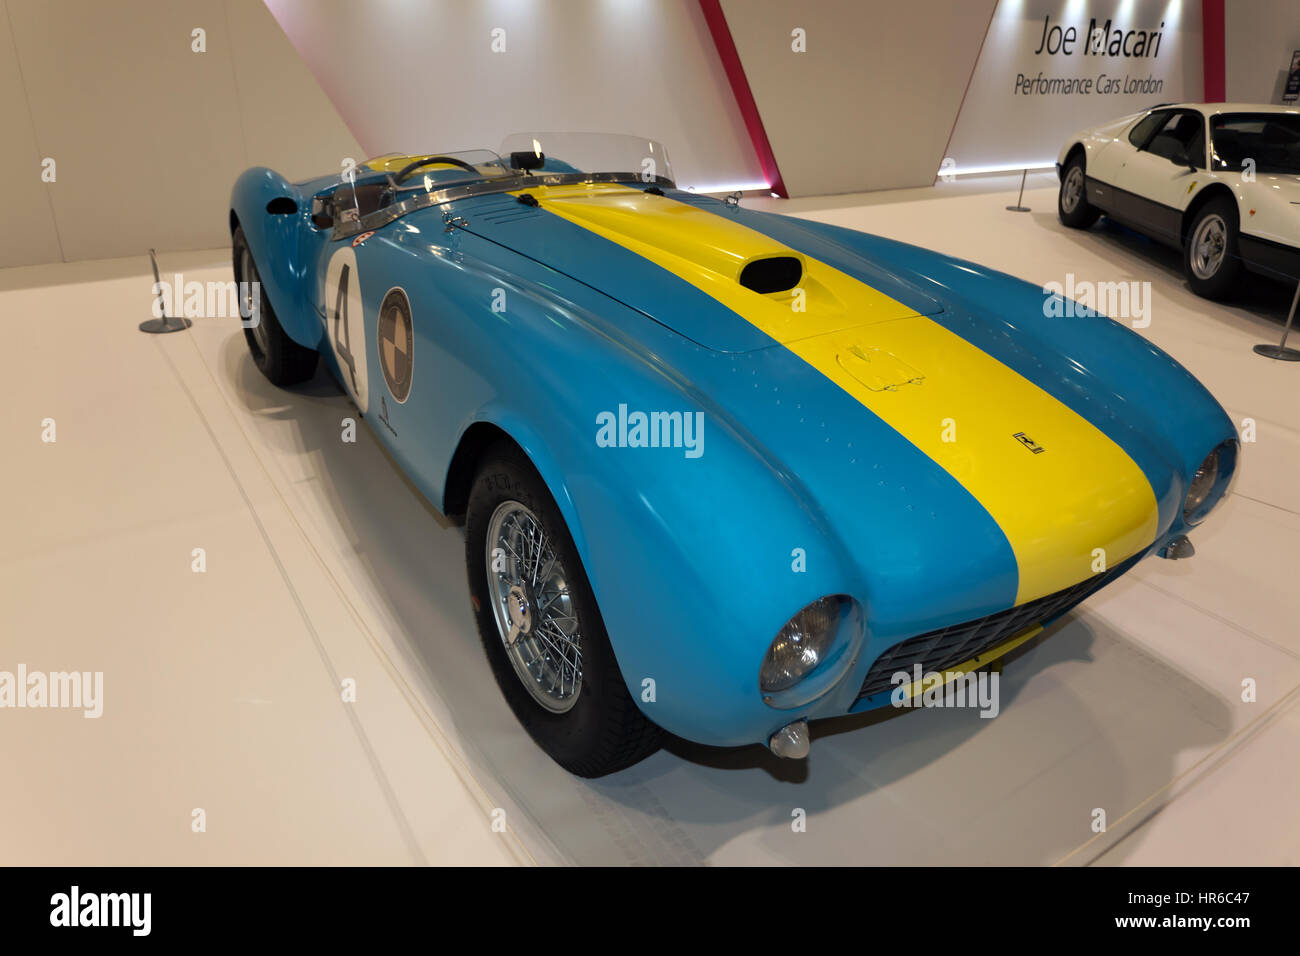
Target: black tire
1213, 282
604, 730
280, 358
1080, 214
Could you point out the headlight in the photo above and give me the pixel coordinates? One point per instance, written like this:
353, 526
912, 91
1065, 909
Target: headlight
801, 645
1198, 491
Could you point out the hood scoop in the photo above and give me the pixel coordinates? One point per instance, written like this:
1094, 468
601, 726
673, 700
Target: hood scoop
772, 274
681, 237
706, 275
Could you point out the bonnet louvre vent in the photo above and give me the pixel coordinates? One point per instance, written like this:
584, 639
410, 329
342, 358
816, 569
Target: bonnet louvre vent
773, 274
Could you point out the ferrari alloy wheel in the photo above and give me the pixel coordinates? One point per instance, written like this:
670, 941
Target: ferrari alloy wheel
1072, 189
533, 607
1210, 256
1209, 246
1072, 206
278, 357
540, 627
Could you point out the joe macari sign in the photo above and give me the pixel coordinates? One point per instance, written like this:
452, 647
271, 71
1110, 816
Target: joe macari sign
1099, 40
1049, 68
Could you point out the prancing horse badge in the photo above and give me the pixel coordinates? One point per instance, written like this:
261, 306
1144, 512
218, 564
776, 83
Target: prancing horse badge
1029, 443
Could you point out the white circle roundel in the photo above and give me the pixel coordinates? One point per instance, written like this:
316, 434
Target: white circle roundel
345, 323
396, 342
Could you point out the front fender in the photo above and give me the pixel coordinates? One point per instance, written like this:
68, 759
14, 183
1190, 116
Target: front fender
692, 559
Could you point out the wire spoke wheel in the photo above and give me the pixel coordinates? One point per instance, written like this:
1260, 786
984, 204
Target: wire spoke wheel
541, 628
534, 611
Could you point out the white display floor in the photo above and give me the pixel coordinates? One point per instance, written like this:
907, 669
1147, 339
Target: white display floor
323, 565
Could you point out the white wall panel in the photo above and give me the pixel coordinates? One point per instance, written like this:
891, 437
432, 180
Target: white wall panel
149, 135
871, 102
145, 132
412, 76
28, 235
288, 122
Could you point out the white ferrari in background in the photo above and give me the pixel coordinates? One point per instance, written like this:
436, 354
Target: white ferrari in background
1219, 181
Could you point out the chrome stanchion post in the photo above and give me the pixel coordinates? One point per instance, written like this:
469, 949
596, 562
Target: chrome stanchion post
1019, 206
1281, 351
158, 326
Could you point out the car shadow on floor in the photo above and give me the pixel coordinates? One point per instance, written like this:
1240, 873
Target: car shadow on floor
1087, 719
1258, 304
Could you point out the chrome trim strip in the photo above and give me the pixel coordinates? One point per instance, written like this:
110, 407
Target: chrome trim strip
437, 197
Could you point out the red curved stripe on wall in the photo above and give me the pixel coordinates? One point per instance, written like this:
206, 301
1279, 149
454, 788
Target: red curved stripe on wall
1212, 48
717, 22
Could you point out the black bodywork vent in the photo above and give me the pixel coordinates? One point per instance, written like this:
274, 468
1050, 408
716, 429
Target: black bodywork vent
773, 274
946, 647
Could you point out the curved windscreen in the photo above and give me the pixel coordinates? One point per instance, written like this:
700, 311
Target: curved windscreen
522, 154
646, 159
390, 186
438, 169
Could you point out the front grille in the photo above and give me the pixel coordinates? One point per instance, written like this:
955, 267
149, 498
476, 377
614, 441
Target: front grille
939, 650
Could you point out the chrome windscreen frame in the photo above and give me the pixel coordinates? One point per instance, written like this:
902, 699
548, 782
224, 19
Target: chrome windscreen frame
382, 217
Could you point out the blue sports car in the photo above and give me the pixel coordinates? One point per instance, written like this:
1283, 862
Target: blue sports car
722, 472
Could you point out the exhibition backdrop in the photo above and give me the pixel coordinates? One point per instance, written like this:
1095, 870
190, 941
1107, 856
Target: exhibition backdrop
127, 122
857, 95
1051, 67
462, 74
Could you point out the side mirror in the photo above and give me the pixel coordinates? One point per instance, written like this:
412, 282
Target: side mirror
527, 160
1181, 158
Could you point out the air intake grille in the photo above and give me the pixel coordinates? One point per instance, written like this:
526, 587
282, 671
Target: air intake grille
948, 646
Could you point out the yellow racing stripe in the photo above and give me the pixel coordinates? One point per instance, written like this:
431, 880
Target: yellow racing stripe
1079, 504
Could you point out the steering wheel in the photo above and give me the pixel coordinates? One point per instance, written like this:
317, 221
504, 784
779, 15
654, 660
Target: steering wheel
430, 161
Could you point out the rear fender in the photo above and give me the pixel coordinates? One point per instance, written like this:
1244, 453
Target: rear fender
261, 202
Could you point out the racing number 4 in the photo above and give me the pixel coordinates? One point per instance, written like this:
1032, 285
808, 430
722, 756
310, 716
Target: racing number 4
342, 335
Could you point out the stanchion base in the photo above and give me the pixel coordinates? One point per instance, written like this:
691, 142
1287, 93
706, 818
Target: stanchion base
1282, 353
1019, 209
158, 326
